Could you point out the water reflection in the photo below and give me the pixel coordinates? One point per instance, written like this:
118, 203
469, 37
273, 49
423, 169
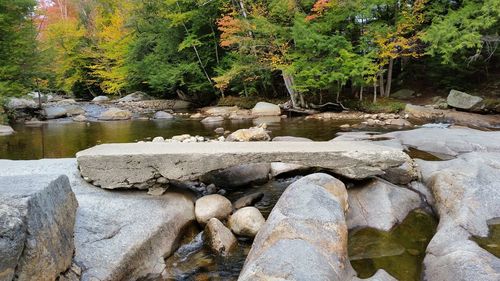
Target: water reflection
400, 251
59, 139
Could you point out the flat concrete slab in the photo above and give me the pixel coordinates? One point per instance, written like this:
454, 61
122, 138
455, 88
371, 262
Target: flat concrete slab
133, 164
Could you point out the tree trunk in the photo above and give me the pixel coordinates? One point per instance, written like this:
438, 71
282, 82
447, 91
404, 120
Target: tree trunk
375, 92
288, 79
389, 78
381, 84
361, 94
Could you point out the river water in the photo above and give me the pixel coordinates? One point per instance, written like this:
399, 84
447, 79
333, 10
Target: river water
63, 138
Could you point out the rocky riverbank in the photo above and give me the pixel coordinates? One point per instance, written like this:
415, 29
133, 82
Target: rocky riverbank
459, 108
135, 243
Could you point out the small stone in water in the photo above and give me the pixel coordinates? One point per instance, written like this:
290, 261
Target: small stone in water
219, 131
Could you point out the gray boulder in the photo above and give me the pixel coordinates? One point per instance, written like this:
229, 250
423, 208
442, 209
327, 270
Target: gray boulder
114, 113
219, 238
238, 176
20, 103
136, 96
118, 235
6, 130
380, 204
212, 206
266, 109
37, 218
246, 221
163, 115
305, 236
466, 198
64, 110
464, 101
100, 99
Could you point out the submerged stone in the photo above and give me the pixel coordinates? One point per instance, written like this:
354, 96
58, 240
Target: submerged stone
400, 251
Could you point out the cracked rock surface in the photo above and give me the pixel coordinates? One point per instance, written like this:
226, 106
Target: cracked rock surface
119, 235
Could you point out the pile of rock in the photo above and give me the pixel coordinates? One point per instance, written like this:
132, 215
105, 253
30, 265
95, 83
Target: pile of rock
385, 119
212, 210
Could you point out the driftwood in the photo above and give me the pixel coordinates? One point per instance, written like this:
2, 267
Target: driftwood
329, 106
314, 108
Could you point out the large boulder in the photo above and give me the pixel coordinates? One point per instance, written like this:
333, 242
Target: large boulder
380, 204
37, 218
466, 198
136, 96
63, 110
251, 134
246, 221
305, 236
212, 206
238, 176
464, 101
6, 130
220, 239
20, 103
114, 113
266, 109
118, 235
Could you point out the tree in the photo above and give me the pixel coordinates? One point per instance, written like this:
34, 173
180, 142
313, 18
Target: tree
17, 46
111, 42
465, 33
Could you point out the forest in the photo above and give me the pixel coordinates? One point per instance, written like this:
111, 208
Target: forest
203, 49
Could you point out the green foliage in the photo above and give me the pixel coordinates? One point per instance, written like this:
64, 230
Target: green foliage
199, 48
462, 34
163, 58
17, 47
